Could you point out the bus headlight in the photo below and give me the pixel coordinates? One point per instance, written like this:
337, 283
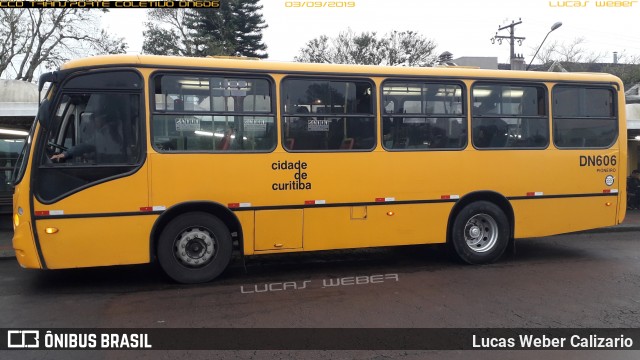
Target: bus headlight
16, 217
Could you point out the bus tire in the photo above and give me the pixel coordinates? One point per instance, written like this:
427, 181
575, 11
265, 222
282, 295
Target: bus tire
194, 248
480, 233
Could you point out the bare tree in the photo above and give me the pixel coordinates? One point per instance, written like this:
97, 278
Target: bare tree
547, 53
409, 48
316, 50
12, 43
573, 52
48, 37
352, 48
626, 58
574, 56
576, 52
405, 48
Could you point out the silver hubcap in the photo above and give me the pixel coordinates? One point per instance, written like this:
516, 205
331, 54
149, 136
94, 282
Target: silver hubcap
481, 233
195, 247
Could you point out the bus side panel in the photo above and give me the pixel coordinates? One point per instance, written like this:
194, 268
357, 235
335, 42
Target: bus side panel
623, 156
126, 243
246, 219
23, 239
383, 225
543, 217
278, 229
24, 246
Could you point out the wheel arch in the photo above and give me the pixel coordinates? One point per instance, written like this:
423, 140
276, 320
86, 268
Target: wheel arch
483, 195
216, 209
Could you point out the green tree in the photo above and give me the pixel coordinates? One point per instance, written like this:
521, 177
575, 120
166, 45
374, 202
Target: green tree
248, 26
235, 29
167, 33
397, 48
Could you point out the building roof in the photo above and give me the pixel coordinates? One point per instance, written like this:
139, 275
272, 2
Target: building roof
18, 98
483, 62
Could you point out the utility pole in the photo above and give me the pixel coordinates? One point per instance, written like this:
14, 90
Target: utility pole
511, 38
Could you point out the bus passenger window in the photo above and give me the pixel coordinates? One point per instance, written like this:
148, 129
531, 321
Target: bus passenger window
509, 116
584, 117
212, 114
327, 115
423, 116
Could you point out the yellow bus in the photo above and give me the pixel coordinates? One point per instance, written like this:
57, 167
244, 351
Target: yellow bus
182, 161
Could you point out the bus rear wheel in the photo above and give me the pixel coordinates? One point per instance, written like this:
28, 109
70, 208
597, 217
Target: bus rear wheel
480, 233
194, 248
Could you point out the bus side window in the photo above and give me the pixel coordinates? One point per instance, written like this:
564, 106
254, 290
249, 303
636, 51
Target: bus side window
423, 115
584, 116
91, 134
327, 115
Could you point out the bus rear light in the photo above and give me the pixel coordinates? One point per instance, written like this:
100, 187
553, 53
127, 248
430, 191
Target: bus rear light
49, 212
238, 205
450, 197
153, 208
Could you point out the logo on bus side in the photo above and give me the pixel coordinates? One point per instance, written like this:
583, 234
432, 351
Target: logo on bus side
300, 177
609, 180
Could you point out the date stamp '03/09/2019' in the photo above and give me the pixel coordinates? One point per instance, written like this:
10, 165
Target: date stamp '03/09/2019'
319, 4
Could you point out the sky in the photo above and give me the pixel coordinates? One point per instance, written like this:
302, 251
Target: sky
461, 27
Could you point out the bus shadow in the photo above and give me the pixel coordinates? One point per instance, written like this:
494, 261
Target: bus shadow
149, 277
548, 249
401, 259
112, 279
299, 266
404, 259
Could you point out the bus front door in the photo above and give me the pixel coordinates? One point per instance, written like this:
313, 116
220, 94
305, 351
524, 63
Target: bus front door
91, 200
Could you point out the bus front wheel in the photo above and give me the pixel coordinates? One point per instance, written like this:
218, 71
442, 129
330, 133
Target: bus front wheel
194, 248
480, 233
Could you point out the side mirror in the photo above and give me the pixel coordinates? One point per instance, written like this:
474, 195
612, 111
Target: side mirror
43, 113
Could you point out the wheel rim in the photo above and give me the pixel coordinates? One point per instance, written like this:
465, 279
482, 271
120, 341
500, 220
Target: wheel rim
481, 233
195, 247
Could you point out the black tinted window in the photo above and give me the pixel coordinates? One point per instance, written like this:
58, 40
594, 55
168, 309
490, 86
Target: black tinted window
106, 80
584, 117
95, 128
327, 115
509, 116
94, 137
213, 113
420, 115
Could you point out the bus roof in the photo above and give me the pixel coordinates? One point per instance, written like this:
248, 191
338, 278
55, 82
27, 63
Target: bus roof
214, 63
